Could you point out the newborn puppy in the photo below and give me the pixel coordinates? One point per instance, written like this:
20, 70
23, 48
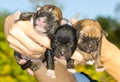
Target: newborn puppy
45, 20
63, 44
89, 42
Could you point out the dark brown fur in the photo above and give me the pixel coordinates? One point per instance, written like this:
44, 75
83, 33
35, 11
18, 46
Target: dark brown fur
46, 19
89, 42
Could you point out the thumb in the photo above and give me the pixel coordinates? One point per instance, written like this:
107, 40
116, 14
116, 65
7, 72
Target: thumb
73, 21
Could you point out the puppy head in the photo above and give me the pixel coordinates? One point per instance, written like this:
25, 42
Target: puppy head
48, 18
64, 41
90, 34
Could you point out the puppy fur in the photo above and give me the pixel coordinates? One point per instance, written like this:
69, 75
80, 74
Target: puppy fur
63, 44
89, 42
46, 19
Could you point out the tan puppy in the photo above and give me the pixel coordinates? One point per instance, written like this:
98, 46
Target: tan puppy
89, 42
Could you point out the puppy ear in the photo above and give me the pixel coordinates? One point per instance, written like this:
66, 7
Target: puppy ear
104, 33
38, 8
73, 21
50, 10
64, 21
78, 34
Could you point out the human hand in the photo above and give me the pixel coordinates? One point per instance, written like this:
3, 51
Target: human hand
23, 39
76, 56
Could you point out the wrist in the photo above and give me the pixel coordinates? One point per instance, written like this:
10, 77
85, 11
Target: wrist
108, 51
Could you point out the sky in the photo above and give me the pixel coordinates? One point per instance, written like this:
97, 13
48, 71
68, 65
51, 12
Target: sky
79, 9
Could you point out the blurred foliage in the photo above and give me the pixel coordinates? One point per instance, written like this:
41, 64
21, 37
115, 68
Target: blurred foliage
112, 27
11, 72
99, 76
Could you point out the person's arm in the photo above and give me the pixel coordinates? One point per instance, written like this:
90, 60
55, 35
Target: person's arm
62, 75
110, 57
23, 39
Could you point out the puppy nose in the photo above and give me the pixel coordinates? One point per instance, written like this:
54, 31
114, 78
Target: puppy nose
62, 52
42, 20
89, 46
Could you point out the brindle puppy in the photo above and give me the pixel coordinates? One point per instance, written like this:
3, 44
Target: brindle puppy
89, 42
63, 44
45, 20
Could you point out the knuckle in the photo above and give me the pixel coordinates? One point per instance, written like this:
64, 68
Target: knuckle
34, 56
36, 48
28, 52
8, 38
33, 49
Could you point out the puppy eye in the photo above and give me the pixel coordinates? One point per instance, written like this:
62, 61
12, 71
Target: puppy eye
57, 43
98, 39
81, 36
69, 43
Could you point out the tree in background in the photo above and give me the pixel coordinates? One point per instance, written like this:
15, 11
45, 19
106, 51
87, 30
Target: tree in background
112, 27
117, 12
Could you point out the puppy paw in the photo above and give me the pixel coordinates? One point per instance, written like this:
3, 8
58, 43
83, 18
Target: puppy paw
71, 70
51, 73
100, 69
30, 72
90, 62
17, 15
22, 61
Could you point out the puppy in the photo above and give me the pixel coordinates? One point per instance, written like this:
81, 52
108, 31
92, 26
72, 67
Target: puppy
89, 42
46, 19
63, 44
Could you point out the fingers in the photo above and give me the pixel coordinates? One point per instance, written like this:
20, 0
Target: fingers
13, 43
73, 21
24, 53
8, 25
77, 56
42, 40
22, 49
25, 40
21, 41
61, 61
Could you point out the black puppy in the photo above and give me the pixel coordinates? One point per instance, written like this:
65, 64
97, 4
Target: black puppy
63, 44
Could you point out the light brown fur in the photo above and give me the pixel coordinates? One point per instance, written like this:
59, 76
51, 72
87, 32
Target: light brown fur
89, 42
90, 28
56, 11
